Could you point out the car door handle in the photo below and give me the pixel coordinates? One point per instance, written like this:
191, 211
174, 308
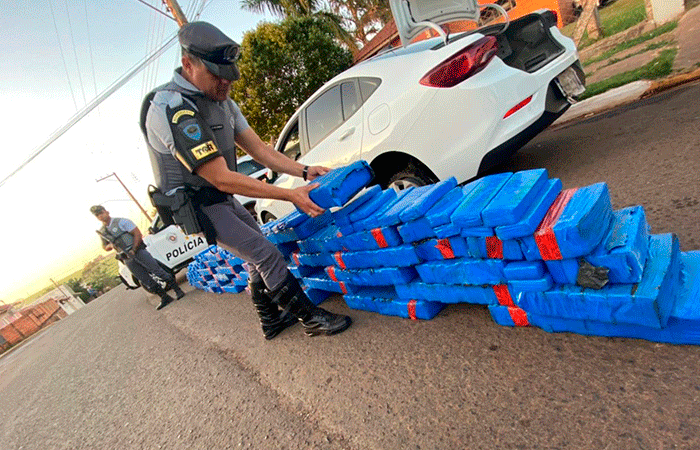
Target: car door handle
347, 134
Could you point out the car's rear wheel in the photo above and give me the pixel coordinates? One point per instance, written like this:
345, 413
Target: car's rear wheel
267, 217
407, 179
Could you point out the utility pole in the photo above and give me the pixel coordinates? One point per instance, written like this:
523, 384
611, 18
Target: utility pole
128, 192
176, 11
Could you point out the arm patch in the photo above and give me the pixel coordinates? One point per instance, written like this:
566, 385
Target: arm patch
194, 143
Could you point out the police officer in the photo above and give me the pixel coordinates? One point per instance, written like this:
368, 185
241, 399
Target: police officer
123, 235
192, 126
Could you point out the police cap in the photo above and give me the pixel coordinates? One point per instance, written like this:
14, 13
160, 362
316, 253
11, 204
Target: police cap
217, 51
96, 209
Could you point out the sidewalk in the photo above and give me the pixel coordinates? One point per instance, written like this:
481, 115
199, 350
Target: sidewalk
686, 68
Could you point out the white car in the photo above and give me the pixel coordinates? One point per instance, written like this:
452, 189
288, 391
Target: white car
447, 106
248, 166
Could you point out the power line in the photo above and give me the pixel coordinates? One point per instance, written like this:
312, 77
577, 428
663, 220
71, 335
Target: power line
92, 105
92, 60
75, 53
63, 58
156, 9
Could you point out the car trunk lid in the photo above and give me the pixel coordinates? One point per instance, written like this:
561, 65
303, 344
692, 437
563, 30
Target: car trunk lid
414, 16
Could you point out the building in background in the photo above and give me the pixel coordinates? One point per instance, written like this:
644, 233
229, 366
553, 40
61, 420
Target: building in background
17, 324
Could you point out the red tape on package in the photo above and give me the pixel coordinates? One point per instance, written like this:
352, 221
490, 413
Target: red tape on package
544, 235
443, 245
339, 259
503, 295
519, 316
379, 237
494, 247
412, 310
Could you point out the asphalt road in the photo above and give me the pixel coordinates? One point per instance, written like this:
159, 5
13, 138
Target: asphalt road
199, 375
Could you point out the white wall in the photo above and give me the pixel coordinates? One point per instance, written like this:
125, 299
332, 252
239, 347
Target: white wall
666, 10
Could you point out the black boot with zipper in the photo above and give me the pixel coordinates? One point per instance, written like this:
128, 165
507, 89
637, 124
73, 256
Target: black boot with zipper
272, 320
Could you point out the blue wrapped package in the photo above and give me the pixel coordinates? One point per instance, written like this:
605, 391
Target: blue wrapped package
233, 288
564, 271
416, 203
683, 325
384, 276
301, 230
300, 272
624, 249
312, 259
509, 316
389, 305
446, 231
372, 239
317, 296
439, 249
542, 284
367, 209
515, 198
323, 282
648, 303
527, 225
476, 232
341, 216
462, 271
401, 256
524, 270
319, 242
481, 192
371, 221
439, 214
422, 205
341, 184
448, 293
575, 224
491, 247
416, 231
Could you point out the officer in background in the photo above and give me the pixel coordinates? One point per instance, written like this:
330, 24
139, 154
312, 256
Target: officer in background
123, 235
192, 127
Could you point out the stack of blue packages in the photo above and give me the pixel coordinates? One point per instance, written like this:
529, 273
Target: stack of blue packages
217, 270
534, 253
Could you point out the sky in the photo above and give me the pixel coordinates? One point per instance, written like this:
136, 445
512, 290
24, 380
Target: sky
58, 56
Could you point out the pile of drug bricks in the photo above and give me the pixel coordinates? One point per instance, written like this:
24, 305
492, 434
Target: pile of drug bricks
217, 270
536, 254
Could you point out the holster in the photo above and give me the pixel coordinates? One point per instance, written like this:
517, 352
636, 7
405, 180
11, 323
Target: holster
184, 207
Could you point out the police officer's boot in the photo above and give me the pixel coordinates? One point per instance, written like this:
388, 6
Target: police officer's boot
165, 299
315, 320
179, 293
272, 320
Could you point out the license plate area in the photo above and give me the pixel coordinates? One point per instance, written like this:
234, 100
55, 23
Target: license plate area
570, 84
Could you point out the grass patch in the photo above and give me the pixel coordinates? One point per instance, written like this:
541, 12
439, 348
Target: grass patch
648, 48
617, 17
659, 67
663, 29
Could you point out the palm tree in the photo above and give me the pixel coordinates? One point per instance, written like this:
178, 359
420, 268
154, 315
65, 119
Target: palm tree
297, 8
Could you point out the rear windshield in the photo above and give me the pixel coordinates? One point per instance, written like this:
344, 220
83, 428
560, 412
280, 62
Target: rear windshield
249, 167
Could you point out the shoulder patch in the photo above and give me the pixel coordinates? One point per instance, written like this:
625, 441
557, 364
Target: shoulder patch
204, 150
179, 114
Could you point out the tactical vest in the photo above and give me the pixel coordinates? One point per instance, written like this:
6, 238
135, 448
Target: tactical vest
120, 239
168, 172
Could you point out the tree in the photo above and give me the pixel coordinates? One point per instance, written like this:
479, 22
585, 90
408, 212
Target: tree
281, 66
304, 8
362, 18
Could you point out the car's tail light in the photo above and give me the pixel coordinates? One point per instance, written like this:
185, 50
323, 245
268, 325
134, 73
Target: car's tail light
460, 66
